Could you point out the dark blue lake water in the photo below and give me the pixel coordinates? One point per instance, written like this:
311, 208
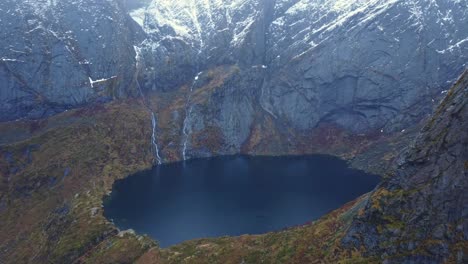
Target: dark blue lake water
233, 195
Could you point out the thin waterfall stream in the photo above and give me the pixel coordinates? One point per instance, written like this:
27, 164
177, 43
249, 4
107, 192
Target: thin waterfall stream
186, 130
188, 113
154, 140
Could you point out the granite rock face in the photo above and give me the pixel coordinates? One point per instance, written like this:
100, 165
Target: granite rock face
56, 55
366, 66
363, 65
419, 214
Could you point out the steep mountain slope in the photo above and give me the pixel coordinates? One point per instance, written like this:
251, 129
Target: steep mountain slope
56, 55
363, 66
419, 214
290, 68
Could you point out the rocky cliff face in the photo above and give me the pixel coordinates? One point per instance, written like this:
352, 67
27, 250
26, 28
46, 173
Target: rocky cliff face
363, 65
419, 214
241, 70
345, 62
56, 55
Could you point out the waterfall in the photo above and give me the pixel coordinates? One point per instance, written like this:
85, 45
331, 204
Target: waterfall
154, 141
188, 113
186, 130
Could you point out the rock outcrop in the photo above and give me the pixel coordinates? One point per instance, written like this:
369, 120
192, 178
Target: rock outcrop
419, 213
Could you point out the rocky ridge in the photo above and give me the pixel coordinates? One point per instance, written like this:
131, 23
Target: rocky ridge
419, 213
